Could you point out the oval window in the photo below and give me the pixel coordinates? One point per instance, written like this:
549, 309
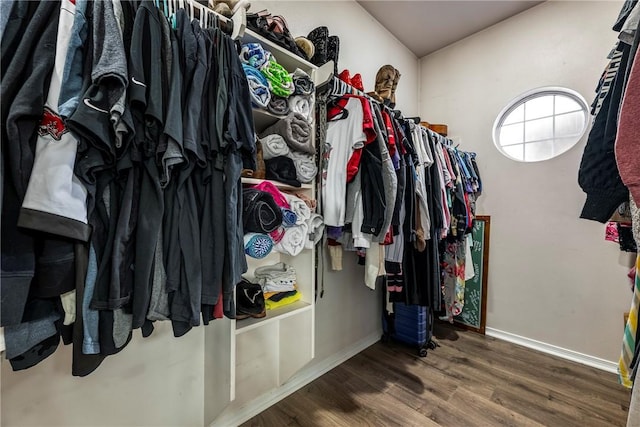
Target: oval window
541, 124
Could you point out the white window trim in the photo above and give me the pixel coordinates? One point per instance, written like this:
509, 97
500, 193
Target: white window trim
526, 96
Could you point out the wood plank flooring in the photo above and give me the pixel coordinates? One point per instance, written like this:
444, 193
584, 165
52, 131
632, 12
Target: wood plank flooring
470, 380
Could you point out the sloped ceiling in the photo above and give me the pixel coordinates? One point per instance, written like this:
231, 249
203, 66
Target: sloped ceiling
426, 26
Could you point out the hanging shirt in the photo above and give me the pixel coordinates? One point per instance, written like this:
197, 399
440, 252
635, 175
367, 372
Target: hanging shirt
343, 136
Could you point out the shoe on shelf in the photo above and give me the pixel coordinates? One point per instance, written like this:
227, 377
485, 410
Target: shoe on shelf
249, 300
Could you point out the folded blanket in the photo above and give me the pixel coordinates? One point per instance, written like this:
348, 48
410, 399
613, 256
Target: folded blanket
302, 83
278, 196
254, 54
289, 217
278, 105
294, 240
270, 305
299, 207
315, 226
274, 145
302, 105
306, 168
260, 212
295, 130
257, 245
280, 82
258, 87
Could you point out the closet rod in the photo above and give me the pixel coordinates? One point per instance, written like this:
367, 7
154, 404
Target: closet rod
238, 20
340, 88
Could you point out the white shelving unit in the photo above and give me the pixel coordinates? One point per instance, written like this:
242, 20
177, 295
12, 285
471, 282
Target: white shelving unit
265, 353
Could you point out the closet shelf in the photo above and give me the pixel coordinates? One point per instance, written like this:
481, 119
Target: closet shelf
279, 185
288, 60
262, 119
249, 324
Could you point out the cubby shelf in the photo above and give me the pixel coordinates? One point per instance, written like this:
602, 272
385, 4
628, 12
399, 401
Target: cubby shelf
278, 184
266, 352
288, 60
245, 325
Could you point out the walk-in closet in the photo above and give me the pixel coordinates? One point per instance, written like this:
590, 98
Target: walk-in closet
319, 213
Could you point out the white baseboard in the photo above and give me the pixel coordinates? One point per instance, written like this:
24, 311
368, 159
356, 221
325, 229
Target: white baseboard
574, 356
298, 381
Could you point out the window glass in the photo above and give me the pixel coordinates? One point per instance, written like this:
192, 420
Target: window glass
541, 124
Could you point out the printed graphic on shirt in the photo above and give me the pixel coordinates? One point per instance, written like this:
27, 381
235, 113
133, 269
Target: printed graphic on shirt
326, 156
52, 124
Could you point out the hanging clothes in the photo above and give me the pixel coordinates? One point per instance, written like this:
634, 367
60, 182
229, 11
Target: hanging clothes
146, 123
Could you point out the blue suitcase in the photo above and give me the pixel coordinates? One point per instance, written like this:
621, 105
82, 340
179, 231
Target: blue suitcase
409, 324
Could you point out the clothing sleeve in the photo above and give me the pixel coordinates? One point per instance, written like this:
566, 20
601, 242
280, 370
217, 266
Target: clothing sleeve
627, 142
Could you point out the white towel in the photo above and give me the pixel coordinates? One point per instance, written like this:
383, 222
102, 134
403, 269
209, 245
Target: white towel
279, 277
302, 105
274, 145
306, 168
294, 240
300, 208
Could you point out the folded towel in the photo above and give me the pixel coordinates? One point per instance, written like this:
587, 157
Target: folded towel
302, 196
274, 145
302, 83
306, 168
282, 169
289, 217
278, 105
294, 240
260, 212
315, 226
302, 105
254, 54
270, 305
280, 82
278, 196
277, 296
277, 269
296, 132
271, 294
257, 245
279, 277
299, 207
258, 87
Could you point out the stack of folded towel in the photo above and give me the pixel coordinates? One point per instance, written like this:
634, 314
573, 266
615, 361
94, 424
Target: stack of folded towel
278, 283
278, 221
272, 87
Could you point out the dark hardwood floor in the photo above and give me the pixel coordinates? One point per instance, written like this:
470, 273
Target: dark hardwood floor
470, 380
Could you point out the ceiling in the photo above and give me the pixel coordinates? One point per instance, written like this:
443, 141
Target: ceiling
426, 26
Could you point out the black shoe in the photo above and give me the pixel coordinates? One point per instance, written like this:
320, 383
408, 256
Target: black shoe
333, 49
319, 37
249, 301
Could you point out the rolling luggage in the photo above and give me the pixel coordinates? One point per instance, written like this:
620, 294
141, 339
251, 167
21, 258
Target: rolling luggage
409, 324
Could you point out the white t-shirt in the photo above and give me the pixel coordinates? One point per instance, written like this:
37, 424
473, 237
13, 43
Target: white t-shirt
343, 136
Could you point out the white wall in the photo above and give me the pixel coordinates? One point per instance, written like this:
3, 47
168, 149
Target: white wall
154, 381
552, 277
365, 45
161, 380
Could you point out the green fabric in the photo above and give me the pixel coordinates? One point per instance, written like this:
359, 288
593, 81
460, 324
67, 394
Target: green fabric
280, 82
